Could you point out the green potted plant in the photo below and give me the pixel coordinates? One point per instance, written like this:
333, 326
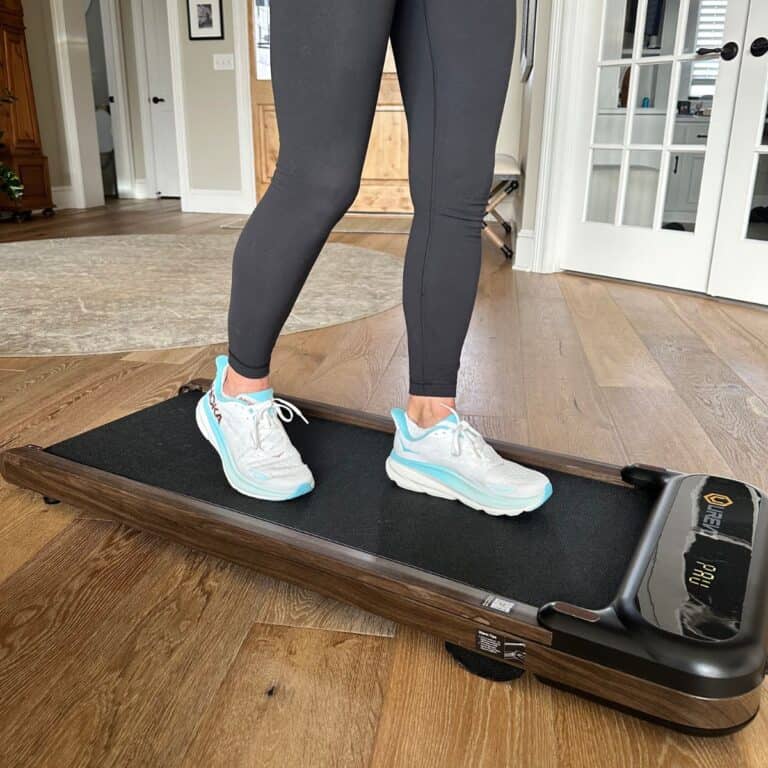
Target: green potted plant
10, 183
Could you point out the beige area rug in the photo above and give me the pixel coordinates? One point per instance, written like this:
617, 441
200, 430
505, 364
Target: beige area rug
89, 295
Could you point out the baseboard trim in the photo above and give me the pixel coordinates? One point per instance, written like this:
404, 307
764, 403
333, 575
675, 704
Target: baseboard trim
64, 197
525, 250
138, 191
217, 201
141, 189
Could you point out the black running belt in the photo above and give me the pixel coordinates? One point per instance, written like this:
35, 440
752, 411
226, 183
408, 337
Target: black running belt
575, 548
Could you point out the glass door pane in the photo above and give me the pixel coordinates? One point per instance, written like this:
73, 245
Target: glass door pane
653, 111
758, 213
757, 229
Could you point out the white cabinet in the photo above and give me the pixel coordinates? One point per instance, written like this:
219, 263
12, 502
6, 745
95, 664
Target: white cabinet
686, 171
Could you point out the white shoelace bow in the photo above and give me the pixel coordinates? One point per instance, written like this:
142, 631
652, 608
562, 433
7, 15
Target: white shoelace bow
463, 429
278, 408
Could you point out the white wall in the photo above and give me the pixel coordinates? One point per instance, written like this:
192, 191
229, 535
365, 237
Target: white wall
213, 114
42, 65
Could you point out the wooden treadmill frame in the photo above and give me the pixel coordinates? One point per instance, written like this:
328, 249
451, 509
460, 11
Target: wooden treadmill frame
448, 609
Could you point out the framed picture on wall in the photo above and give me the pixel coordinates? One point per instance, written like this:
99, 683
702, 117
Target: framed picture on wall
205, 20
527, 38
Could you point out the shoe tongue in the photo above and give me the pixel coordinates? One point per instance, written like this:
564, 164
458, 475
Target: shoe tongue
450, 419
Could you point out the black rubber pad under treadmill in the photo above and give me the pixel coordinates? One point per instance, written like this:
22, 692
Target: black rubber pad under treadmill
575, 548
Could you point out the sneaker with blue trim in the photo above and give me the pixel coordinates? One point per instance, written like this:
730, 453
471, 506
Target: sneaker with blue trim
247, 432
452, 461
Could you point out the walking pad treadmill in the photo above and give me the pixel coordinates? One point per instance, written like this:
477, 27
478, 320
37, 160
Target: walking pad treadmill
640, 587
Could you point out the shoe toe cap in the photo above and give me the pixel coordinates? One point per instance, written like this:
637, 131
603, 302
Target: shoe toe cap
526, 484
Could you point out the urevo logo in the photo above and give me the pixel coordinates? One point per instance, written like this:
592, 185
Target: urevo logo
713, 515
718, 499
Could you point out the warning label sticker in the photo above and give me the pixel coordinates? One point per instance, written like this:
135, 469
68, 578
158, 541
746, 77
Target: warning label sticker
498, 645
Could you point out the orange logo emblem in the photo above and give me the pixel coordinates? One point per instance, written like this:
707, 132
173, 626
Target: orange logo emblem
718, 499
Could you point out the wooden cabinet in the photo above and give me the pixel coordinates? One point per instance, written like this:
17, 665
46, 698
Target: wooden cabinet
384, 183
20, 146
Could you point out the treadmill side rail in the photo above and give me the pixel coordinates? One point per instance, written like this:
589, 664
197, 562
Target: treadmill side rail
692, 612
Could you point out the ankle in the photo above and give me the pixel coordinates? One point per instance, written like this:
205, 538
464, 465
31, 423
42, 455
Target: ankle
428, 411
235, 384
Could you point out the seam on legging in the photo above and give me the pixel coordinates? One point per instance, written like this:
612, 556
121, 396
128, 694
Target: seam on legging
431, 185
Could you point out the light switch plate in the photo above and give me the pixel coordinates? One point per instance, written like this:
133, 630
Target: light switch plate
223, 60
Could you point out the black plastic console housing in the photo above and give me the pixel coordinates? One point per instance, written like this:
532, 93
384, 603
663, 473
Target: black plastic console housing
692, 610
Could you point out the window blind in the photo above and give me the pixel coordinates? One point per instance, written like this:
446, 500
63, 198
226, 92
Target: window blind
710, 30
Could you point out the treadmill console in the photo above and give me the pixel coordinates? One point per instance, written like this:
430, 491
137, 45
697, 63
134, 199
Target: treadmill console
695, 581
692, 610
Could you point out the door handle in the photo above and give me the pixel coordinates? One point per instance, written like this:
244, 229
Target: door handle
759, 47
728, 52
157, 99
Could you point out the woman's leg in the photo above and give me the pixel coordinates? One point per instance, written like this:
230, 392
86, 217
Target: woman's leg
327, 60
454, 60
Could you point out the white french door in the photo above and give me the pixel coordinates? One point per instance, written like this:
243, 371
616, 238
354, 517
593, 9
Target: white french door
740, 263
161, 108
653, 150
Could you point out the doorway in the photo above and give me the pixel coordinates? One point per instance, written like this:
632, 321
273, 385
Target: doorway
160, 132
101, 96
131, 79
669, 163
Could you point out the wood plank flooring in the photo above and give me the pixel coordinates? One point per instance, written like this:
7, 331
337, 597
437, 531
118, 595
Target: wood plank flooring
117, 649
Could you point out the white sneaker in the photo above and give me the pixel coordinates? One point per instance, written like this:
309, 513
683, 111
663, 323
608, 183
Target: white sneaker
247, 432
452, 460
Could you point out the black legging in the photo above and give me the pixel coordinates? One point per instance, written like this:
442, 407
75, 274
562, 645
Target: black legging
453, 60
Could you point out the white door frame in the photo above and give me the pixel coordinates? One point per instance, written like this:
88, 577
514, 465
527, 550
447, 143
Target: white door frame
739, 268
564, 45
203, 200
86, 187
145, 117
118, 89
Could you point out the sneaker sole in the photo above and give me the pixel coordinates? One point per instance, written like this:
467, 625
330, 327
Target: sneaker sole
247, 489
412, 480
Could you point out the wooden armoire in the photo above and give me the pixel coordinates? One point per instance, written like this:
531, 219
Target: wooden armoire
20, 146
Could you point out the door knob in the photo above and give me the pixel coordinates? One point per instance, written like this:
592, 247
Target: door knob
157, 99
759, 47
727, 52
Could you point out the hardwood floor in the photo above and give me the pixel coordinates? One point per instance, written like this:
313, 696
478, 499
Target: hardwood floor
118, 649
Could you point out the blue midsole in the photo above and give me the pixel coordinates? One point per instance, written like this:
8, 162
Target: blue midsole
455, 482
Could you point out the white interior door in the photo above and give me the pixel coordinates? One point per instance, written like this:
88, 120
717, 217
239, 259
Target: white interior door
740, 264
650, 146
164, 149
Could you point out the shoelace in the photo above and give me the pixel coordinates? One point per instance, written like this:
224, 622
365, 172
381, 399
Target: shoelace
277, 409
463, 429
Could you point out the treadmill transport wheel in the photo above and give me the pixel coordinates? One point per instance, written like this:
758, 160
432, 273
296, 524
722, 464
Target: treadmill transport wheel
482, 666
